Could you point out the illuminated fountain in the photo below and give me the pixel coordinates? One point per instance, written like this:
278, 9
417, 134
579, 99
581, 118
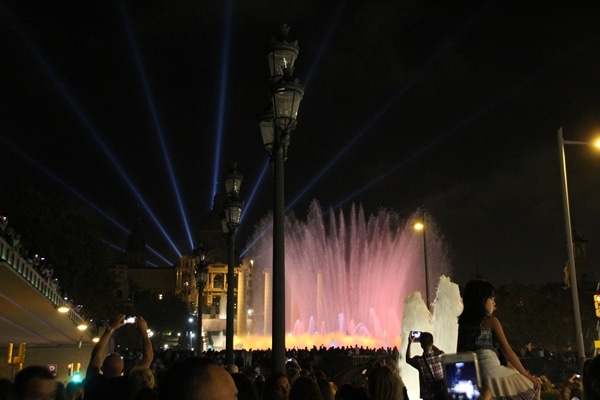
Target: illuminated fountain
346, 280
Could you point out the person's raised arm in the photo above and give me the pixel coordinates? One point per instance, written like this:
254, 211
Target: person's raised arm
495, 326
147, 351
99, 351
410, 340
296, 364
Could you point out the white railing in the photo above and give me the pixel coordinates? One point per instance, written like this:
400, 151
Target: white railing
10, 257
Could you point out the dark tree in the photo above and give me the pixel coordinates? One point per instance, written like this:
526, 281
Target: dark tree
538, 314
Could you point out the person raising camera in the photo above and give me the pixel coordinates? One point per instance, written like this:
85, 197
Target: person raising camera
104, 377
429, 365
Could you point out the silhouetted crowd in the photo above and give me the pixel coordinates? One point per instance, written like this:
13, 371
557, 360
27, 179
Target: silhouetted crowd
178, 374
317, 373
256, 362
38, 262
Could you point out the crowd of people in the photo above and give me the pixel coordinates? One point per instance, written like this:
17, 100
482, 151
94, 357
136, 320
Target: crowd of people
38, 262
13, 238
180, 375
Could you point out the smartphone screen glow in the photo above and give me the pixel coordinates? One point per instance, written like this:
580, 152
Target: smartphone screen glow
461, 380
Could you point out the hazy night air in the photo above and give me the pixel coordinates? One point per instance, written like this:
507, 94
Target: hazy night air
408, 105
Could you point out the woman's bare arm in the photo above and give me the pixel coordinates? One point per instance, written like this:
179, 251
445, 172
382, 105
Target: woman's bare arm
492, 323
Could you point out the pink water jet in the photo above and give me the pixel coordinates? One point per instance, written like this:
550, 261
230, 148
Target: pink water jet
347, 280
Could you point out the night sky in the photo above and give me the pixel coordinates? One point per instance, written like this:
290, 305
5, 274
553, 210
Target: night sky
451, 106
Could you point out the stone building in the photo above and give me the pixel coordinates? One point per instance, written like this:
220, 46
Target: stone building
133, 274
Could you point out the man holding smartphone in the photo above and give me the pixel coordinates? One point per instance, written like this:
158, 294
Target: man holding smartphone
429, 365
104, 376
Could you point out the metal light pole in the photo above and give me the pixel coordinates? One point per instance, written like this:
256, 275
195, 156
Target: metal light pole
422, 226
569, 234
201, 278
276, 125
230, 223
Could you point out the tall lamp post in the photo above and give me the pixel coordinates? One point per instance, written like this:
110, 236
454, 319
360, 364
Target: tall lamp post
569, 234
201, 278
230, 223
276, 125
422, 226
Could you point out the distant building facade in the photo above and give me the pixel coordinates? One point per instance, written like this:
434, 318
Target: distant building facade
132, 275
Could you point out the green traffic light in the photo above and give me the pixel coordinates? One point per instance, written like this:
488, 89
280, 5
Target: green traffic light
76, 377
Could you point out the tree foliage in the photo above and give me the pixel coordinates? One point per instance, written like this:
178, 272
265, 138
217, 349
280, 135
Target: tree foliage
538, 314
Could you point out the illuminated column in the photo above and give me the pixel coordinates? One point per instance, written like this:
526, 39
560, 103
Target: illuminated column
267, 301
223, 306
201, 282
293, 314
242, 322
178, 278
319, 300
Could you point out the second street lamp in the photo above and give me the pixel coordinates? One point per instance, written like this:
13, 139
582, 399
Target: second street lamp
231, 221
276, 125
201, 279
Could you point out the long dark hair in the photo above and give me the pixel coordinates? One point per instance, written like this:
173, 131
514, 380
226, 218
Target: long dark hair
591, 378
475, 295
383, 383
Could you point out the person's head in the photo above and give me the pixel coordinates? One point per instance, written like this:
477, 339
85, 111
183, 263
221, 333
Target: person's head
276, 387
426, 340
113, 365
591, 379
305, 388
576, 394
6, 388
292, 373
384, 384
245, 386
61, 391
326, 388
478, 301
35, 382
197, 378
320, 374
259, 384
351, 392
232, 368
140, 378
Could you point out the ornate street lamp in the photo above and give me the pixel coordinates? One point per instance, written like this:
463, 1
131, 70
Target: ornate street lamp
230, 222
201, 279
276, 125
